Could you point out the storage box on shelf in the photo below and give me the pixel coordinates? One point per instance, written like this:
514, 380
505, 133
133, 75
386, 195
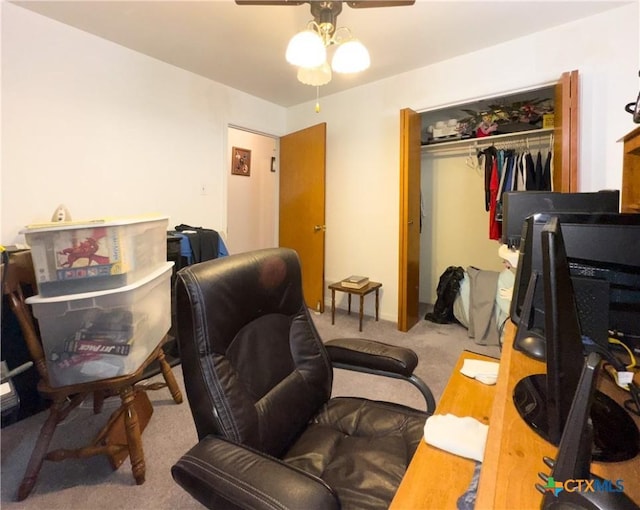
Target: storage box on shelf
96, 335
72, 257
519, 114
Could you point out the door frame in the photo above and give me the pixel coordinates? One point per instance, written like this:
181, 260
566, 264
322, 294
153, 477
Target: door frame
566, 148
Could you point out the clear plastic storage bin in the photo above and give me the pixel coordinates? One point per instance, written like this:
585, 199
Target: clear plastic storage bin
97, 335
73, 257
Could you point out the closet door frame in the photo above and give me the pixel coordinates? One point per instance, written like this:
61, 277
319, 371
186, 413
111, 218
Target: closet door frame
565, 179
409, 228
565, 140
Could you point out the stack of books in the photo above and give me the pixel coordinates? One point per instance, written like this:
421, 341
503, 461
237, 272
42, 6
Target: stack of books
355, 282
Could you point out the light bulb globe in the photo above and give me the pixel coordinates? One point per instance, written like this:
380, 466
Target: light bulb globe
306, 49
316, 76
351, 57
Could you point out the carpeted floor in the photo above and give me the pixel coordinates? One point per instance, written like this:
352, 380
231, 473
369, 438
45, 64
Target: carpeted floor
91, 484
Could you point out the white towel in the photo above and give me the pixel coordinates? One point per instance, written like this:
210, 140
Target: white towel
464, 436
484, 371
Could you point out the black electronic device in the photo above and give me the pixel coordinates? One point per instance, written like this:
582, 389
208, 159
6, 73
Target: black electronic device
544, 400
573, 461
603, 252
518, 205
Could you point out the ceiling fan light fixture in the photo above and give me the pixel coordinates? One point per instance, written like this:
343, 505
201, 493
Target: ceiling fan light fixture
316, 76
306, 49
351, 57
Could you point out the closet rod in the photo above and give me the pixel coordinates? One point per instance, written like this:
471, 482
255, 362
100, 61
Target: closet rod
456, 145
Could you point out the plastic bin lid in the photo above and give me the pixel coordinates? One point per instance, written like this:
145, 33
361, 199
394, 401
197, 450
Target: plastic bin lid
38, 300
55, 226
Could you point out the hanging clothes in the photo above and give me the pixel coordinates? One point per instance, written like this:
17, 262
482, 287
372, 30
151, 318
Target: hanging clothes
512, 169
490, 154
530, 180
538, 172
546, 173
495, 226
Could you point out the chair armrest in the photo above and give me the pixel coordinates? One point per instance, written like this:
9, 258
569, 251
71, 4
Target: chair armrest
373, 357
371, 354
222, 474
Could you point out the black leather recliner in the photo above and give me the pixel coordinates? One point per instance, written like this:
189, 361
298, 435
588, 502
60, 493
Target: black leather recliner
258, 380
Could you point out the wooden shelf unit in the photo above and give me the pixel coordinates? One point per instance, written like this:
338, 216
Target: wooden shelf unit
488, 140
631, 172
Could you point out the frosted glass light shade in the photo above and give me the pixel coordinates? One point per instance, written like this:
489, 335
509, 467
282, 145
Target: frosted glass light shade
306, 49
350, 57
316, 76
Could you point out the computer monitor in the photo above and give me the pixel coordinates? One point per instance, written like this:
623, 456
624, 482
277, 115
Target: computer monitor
518, 205
544, 400
603, 253
573, 460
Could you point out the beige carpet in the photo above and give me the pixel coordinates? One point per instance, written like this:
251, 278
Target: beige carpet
91, 484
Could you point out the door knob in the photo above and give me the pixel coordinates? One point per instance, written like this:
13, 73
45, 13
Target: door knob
318, 228
410, 222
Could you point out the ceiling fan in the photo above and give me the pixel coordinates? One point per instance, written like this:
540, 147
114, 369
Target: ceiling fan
307, 50
326, 12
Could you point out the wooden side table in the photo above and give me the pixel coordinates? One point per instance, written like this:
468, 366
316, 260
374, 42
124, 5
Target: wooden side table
367, 289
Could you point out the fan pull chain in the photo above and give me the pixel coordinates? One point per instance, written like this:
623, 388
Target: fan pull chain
317, 99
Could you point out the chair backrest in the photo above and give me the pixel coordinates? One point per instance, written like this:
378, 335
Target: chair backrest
20, 276
254, 366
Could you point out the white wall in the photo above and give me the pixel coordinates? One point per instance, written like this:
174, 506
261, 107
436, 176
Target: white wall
108, 131
252, 202
363, 127
455, 228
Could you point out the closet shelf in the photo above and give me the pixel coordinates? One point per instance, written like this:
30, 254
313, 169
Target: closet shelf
484, 142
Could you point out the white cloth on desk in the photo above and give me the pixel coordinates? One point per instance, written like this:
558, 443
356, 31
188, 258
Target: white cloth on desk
464, 436
484, 371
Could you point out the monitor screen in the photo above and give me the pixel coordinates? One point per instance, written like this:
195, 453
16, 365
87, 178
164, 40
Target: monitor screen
603, 256
562, 328
544, 400
518, 205
573, 460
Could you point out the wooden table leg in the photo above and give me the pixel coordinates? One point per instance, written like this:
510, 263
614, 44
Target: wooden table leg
333, 307
349, 302
361, 309
377, 304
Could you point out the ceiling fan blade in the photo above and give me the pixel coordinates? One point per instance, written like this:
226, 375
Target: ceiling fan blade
359, 4
270, 2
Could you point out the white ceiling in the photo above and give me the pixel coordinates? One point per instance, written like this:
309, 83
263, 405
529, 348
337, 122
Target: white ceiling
243, 46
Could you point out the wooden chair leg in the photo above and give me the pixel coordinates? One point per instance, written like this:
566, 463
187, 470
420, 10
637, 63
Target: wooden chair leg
59, 410
40, 450
134, 437
98, 402
169, 377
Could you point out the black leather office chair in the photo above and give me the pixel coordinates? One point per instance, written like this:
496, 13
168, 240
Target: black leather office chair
258, 379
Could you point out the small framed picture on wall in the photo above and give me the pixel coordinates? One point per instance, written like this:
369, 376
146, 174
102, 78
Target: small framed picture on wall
241, 161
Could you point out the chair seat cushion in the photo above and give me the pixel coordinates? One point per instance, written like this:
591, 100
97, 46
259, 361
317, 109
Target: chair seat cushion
361, 448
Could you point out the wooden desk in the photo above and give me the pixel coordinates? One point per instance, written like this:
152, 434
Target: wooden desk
513, 454
435, 478
368, 288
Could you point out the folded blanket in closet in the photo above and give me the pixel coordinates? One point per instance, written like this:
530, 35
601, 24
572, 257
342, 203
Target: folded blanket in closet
482, 321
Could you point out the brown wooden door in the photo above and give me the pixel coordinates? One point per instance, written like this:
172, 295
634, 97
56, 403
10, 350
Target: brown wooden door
565, 140
302, 206
409, 250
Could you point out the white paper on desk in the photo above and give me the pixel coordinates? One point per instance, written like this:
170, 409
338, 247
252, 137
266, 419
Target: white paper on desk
484, 371
464, 436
